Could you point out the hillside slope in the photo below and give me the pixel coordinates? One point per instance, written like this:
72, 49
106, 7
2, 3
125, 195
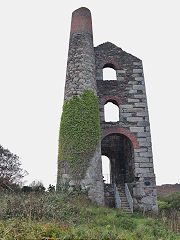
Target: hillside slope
73, 216
167, 189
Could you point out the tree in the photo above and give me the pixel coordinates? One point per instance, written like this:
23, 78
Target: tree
51, 188
11, 172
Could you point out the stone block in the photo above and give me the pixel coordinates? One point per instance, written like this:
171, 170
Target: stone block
143, 124
132, 100
133, 110
132, 82
136, 75
146, 154
134, 119
121, 71
140, 150
140, 104
137, 70
139, 78
148, 139
142, 139
150, 175
120, 78
137, 129
137, 63
138, 87
132, 91
146, 165
148, 129
141, 160
141, 170
126, 106
136, 165
126, 114
144, 134
140, 96
142, 114
144, 144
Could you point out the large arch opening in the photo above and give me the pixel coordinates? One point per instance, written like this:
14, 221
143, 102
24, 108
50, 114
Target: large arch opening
119, 149
109, 72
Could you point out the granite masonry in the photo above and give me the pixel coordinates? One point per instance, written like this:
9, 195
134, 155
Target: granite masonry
127, 143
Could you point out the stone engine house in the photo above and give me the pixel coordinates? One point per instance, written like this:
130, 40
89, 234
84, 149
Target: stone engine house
127, 142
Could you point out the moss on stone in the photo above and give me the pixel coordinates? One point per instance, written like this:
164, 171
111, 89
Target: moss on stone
79, 132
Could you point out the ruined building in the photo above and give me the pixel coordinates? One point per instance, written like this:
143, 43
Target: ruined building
84, 134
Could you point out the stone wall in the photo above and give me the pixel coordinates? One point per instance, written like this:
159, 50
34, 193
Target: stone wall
128, 92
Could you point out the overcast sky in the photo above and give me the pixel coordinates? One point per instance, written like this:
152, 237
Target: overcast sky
34, 37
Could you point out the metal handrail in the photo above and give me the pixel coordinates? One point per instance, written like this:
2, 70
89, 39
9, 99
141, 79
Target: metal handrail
129, 197
117, 197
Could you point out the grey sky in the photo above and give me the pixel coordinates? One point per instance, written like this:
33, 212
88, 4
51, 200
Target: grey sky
34, 38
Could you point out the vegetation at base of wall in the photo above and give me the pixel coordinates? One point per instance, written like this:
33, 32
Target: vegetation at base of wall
71, 215
79, 132
169, 202
169, 208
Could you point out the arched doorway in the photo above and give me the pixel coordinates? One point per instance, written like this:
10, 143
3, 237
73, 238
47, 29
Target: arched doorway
119, 149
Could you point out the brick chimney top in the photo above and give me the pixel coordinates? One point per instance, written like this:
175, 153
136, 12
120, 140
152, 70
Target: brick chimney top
81, 21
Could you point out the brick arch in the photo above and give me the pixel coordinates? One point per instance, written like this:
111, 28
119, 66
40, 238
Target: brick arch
106, 99
124, 131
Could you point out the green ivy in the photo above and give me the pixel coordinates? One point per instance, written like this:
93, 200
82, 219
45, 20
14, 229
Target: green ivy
79, 132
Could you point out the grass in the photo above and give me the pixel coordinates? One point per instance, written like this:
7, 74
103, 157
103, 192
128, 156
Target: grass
73, 216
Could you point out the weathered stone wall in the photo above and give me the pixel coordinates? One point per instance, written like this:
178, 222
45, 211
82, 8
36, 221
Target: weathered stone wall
80, 76
93, 180
128, 92
109, 195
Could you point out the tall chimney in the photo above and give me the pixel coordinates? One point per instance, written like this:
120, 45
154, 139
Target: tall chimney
80, 74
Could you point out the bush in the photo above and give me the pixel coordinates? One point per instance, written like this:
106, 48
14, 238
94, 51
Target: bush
171, 201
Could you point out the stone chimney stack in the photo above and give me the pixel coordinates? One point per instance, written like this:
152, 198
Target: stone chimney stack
80, 74
79, 160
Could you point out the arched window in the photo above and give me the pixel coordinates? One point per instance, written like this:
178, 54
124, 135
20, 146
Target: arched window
106, 169
111, 112
109, 72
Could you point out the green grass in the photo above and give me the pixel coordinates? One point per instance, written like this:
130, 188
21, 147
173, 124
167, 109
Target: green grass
73, 216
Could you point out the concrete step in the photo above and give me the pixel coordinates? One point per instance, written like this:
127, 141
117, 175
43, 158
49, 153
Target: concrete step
125, 205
